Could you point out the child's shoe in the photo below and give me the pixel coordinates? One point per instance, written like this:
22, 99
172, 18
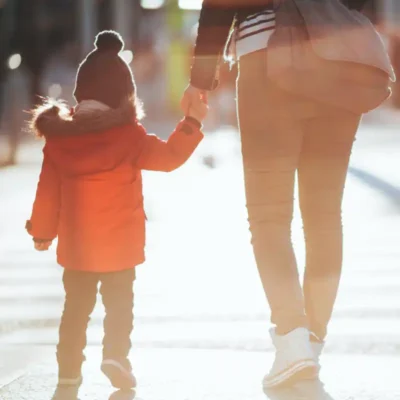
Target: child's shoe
66, 393
64, 381
119, 373
69, 375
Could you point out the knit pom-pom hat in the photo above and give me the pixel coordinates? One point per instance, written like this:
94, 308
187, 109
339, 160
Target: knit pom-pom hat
103, 75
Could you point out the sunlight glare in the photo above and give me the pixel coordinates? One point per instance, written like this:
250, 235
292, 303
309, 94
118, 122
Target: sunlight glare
127, 56
152, 4
55, 91
14, 61
190, 4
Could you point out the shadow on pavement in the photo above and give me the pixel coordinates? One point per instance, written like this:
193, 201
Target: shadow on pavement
123, 395
390, 191
306, 390
72, 393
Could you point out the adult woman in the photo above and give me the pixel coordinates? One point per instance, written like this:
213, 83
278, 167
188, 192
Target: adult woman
282, 134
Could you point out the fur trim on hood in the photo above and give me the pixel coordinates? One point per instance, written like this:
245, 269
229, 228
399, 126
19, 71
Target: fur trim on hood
55, 118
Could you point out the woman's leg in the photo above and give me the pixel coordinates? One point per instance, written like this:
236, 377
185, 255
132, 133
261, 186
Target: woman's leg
322, 173
271, 132
271, 144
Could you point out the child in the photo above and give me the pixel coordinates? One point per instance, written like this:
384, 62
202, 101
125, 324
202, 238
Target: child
90, 196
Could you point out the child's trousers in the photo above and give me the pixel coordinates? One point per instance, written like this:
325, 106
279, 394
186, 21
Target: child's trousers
80, 298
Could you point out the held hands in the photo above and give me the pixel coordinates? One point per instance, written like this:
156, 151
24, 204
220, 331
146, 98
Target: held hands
43, 246
194, 103
198, 111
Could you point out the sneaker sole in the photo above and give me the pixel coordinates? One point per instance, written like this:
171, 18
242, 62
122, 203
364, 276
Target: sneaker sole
303, 370
118, 377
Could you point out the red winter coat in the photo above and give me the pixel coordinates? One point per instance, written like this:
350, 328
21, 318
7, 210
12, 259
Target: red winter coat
90, 188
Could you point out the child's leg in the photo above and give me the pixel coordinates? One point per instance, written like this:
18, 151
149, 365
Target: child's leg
80, 299
117, 293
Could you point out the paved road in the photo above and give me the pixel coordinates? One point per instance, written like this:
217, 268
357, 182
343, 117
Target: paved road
198, 243
182, 374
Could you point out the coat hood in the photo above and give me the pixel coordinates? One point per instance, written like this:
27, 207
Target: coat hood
90, 142
57, 119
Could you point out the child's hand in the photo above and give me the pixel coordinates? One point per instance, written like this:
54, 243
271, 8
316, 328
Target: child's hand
198, 110
42, 246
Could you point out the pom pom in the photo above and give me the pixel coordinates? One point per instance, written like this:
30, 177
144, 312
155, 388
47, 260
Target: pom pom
109, 41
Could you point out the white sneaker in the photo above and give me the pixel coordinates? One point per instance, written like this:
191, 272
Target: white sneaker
317, 348
294, 359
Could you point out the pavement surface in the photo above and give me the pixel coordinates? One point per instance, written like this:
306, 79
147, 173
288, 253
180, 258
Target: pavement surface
201, 318
212, 375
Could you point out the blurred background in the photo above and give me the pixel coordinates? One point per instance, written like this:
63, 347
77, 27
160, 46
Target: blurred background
42, 42
199, 289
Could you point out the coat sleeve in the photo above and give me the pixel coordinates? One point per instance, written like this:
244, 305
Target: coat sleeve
159, 155
43, 223
215, 22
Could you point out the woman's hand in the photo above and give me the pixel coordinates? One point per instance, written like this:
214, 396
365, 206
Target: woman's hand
198, 111
193, 97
